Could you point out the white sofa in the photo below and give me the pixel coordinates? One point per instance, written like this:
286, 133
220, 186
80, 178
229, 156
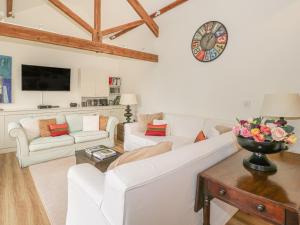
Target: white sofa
159, 190
182, 130
32, 149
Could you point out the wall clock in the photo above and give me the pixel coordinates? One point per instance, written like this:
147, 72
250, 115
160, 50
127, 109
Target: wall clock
209, 41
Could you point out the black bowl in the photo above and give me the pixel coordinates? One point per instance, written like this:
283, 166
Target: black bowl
261, 147
258, 160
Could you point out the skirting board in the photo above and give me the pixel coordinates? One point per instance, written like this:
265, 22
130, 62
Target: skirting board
7, 150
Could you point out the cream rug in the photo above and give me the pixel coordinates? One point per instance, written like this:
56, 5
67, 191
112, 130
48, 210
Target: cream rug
50, 180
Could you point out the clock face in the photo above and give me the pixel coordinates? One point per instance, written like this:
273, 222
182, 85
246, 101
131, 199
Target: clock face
209, 41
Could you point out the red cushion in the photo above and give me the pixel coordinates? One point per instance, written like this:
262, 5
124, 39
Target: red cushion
200, 137
156, 130
58, 129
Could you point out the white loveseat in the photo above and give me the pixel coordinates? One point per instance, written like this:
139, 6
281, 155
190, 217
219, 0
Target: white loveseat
159, 190
32, 149
182, 130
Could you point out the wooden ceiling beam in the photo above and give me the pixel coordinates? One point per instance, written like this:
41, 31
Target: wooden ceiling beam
97, 35
9, 8
144, 15
72, 15
122, 27
30, 34
140, 22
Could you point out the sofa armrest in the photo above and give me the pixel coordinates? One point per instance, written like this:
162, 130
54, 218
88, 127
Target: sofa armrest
130, 128
15, 130
111, 126
85, 194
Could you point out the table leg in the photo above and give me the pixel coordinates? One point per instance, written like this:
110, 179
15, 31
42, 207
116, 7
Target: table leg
206, 210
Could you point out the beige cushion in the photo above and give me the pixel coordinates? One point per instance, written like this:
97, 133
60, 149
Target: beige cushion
144, 119
90, 123
142, 153
44, 127
103, 122
223, 129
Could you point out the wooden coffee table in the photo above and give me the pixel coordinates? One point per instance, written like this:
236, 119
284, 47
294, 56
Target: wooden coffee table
102, 165
272, 197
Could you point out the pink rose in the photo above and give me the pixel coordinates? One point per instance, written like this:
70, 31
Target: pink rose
236, 130
245, 132
278, 134
264, 129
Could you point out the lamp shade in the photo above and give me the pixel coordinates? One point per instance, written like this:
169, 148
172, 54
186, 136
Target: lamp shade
281, 105
128, 99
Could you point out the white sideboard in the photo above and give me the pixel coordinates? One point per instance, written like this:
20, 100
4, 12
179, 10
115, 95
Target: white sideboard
14, 115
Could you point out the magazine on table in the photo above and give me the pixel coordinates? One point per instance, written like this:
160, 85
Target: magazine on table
91, 150
104, 153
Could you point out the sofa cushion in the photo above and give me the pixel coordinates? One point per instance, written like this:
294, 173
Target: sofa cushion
145, 119
141, 153
90, 123
44, 143
103, 120
84, 136
44, 127
74, 122
139, 140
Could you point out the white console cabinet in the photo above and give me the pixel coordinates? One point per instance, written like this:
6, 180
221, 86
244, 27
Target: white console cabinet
7, 116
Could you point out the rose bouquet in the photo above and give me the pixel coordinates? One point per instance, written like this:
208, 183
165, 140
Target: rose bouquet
261, 130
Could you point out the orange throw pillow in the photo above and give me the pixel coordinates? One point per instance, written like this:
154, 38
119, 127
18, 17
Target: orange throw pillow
44, 127
200, 137
145, 119
59, 129
103, 122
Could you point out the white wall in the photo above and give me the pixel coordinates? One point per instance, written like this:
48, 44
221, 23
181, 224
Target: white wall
47, 17
262, 56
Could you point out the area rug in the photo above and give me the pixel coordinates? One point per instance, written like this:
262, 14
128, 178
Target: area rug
50, 180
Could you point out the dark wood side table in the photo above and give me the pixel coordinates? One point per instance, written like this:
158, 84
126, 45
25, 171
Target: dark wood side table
102, 165
120, 132
273, 197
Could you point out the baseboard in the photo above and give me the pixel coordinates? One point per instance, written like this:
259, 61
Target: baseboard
7, 150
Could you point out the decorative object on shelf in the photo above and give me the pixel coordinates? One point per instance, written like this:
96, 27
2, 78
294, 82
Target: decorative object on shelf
114, 90
5, 79
128, 100
263, 136
73, 105
209, 41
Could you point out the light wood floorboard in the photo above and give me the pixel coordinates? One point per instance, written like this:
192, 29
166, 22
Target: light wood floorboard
21, 205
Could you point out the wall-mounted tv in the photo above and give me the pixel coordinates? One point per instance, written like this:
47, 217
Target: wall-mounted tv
41, 78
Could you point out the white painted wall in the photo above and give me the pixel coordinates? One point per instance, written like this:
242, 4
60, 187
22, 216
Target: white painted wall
262, 56
46, 17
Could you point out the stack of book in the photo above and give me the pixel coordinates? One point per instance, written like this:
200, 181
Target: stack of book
100, 152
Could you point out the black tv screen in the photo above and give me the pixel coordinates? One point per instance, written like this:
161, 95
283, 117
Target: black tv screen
41, 78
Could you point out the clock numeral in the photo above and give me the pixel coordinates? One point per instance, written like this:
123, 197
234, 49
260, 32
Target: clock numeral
209, 27
220, 32
200, 56
196, 50
213, 54
216, 27
222, 39
195, 44
220, 47
207, 56
198, 36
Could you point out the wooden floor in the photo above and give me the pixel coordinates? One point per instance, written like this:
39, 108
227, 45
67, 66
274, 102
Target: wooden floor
21, 205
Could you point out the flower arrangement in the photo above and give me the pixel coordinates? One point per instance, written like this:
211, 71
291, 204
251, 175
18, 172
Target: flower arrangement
261, 130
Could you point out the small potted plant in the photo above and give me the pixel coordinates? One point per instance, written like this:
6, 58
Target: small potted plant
263, 137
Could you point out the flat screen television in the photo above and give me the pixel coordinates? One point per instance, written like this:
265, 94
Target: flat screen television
41, 78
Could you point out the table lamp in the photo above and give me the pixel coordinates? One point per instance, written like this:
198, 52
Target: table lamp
128, 100
281, 106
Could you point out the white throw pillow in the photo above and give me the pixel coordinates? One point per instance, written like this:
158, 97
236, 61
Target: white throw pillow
31, 127
212, 132
74, 122
90, 123
163, 122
